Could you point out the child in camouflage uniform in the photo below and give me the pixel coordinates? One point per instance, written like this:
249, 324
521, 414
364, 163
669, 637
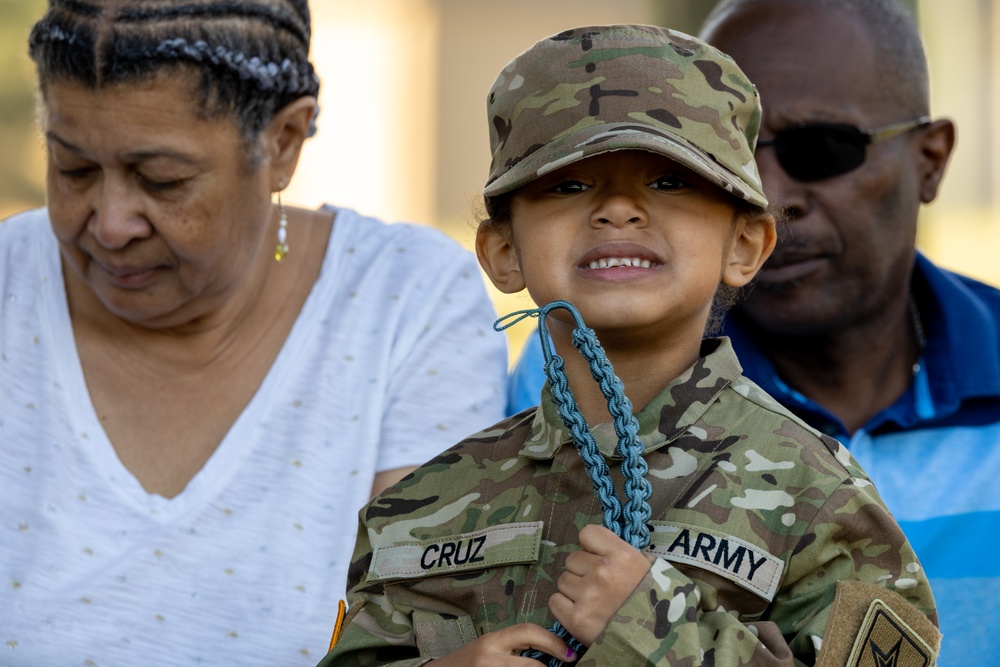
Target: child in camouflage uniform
623, 181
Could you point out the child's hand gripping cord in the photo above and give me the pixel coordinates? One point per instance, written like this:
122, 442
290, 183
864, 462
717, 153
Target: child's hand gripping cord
630, 524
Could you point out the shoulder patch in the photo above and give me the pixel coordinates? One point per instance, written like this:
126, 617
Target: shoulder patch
872, 626
489, 547
886, 640
743, 563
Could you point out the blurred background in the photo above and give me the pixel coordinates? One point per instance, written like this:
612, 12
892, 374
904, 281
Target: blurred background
402, 128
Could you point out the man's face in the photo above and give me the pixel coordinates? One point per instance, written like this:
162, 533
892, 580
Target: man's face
848, 248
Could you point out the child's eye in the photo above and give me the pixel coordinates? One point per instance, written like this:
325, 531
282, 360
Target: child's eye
668, 183
570, 187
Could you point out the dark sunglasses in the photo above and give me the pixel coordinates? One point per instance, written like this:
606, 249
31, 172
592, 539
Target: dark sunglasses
814, 151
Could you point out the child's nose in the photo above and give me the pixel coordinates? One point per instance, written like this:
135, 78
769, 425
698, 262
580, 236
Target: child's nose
619, 209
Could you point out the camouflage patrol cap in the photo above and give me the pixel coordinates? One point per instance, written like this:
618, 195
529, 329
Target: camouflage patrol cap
597, 89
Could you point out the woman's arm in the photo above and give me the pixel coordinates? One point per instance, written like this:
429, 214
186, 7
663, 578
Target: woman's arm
387, 478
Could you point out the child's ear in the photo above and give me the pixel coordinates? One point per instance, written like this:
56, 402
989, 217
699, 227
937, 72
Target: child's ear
498, 257
752, 243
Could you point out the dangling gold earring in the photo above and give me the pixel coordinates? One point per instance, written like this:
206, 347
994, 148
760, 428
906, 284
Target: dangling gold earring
281, 250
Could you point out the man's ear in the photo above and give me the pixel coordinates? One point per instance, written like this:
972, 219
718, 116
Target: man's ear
936, 143
283, 138
752, 243
498, 257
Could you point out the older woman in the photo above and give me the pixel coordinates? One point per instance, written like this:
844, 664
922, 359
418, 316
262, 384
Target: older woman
198, 386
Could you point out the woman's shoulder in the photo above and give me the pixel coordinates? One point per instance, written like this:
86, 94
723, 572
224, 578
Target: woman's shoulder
476, 472
25, 223
20, 234
406, 240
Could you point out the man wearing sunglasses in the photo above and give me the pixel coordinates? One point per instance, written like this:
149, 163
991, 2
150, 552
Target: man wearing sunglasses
849, 326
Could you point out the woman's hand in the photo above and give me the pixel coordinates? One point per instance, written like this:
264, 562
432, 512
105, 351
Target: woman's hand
597, 581
503, 648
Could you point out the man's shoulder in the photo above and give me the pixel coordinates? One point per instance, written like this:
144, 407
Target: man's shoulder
987, 294
944, 283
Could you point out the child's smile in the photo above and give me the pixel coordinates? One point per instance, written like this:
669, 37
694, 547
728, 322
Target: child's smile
625, 257
613, 262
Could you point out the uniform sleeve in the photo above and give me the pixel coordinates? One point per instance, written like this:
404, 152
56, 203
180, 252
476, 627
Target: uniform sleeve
663, 623
449, 367
372, 632
853, 559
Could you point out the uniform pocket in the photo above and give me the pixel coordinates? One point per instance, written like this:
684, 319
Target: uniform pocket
437, 636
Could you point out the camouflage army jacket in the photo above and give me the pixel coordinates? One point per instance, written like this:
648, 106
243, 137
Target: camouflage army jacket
756, 518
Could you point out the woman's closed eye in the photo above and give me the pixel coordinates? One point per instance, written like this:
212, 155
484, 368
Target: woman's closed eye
77, 173
161, 184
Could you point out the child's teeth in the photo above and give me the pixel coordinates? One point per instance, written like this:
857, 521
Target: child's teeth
609, 262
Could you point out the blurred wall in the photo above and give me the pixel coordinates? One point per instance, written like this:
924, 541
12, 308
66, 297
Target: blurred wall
21, 161
402, 129
961, 230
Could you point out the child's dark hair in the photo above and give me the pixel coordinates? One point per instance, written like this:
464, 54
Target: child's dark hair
252, 55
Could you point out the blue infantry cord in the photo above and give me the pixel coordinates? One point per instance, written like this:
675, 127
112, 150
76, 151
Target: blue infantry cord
630, 523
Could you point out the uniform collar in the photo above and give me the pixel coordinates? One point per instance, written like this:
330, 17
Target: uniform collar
679, 405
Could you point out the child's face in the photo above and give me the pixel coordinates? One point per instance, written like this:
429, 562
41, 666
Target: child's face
634, 240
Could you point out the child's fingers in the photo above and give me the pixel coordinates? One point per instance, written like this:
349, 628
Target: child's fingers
575, 586
503, 648
601, 541
526, 636
582, 562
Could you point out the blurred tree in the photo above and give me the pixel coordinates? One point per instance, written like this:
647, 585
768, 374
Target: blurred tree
21, 175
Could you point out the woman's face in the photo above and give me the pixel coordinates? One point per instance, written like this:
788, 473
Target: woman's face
156, 209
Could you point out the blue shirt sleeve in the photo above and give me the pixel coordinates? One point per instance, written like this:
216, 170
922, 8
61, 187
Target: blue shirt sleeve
527, 378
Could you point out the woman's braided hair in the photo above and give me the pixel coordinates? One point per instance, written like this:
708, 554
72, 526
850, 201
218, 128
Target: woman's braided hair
252, 55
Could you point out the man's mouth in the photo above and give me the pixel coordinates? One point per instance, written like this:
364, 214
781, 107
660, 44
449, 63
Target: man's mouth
790, 267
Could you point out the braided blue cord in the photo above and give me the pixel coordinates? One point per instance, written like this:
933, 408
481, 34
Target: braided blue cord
635, 523
597, 469
632, 522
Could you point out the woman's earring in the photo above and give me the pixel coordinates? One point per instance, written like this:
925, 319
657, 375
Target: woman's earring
281, 250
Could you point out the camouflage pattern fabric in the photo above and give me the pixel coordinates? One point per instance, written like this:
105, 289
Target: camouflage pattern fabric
756, 519
604, 88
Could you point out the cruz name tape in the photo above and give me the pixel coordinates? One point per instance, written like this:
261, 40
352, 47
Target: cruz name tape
489, 547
